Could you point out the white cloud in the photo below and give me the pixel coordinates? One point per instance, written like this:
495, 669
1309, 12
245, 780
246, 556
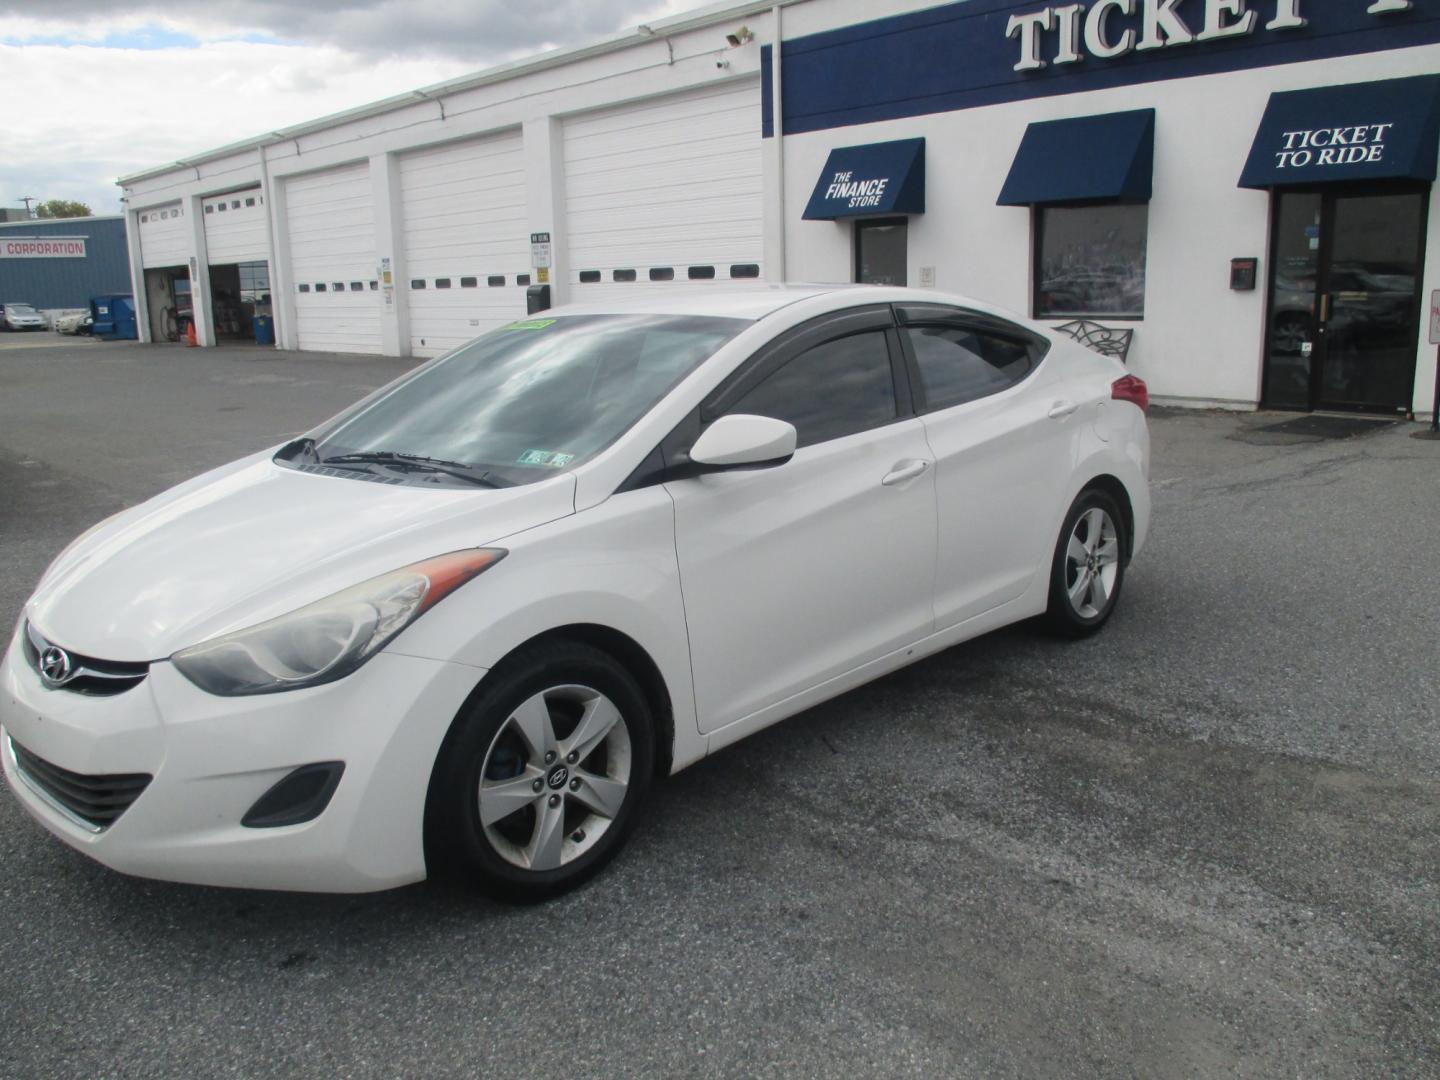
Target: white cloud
81, 112
88, 114
476, 31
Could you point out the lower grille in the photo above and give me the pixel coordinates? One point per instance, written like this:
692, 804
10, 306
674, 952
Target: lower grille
95, 801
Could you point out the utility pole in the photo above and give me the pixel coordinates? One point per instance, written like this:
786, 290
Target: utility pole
27, 200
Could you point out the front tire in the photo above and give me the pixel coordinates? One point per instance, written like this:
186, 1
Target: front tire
540, 777
1088, 568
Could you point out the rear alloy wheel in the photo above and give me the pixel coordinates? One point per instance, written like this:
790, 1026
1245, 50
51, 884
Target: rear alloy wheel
1089, 566
539, 781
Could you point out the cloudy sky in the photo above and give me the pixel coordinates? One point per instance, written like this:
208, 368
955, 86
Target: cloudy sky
95, 89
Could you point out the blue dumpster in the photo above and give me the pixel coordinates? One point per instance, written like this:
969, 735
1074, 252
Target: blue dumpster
264, 329
114, 317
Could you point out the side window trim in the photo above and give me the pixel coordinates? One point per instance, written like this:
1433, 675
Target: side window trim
908, 388
979, 321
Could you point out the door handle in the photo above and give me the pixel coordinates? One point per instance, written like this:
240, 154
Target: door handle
1062, 409
902, 471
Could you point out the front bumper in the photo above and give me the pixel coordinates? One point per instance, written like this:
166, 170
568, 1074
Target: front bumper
211, 758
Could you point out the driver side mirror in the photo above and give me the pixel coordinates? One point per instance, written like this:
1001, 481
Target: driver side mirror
739, 440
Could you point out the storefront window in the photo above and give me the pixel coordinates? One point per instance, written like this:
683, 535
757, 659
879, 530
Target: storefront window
1090, 261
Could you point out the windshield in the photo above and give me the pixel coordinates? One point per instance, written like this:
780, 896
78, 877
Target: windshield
20, 309
525, 401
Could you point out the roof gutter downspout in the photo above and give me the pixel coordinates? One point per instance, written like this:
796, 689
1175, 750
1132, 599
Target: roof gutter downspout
777, 123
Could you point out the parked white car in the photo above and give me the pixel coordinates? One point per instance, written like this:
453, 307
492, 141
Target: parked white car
75, 322
461, 626
18, 316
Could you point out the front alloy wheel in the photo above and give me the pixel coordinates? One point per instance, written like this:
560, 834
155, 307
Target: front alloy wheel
538, 781
555, 777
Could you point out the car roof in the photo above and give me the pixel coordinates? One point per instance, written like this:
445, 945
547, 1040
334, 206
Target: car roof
756, 301
732, 301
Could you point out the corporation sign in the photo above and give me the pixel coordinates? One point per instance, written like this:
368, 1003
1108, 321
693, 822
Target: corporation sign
50, 247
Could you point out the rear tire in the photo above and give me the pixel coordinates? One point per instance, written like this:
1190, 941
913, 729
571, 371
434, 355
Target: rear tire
539, 780
1088, 568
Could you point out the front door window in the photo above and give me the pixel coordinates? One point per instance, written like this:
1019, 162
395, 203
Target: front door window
1344, 300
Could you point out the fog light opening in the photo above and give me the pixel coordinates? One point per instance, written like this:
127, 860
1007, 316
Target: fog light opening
299, 797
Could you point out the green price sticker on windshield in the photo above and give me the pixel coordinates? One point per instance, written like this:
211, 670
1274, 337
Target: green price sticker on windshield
546, 459
531, 324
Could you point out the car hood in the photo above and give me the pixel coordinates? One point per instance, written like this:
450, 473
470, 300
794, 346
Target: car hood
254, 540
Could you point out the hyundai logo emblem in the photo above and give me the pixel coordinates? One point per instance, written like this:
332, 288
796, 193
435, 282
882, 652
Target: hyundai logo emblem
557, 778
55, 667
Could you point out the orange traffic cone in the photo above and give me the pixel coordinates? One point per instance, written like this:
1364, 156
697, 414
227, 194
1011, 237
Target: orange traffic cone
190, 335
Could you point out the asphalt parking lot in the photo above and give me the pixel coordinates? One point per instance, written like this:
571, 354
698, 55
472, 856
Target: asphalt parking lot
1204, 842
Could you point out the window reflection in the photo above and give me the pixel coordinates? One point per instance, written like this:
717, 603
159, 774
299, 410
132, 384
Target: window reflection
1091, 261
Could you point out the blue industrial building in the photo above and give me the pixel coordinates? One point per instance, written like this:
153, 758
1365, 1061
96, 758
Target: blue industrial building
58, 265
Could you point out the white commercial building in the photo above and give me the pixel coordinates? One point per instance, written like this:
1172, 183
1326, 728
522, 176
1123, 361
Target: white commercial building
1242, 184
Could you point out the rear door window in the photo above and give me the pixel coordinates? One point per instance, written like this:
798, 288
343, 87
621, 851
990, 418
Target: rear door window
960, 357
958, 364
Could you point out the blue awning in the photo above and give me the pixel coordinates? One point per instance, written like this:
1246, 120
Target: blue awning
878, 178
1106, 158
1364, 131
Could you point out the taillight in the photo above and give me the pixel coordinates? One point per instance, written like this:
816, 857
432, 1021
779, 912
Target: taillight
1131, 388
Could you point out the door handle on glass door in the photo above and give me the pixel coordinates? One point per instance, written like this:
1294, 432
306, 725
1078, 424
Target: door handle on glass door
902, 471
1062, 409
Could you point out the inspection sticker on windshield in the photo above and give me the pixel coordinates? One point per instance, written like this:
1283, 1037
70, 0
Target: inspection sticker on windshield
546, 459
531, 324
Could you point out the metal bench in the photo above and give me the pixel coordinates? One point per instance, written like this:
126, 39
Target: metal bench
1106, 340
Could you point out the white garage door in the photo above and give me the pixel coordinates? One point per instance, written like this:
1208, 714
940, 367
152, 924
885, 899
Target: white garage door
331, 219
664, 193
164, 237
236, 229
465, 243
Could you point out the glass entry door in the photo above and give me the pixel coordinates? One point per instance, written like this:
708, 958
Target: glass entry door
1344, 312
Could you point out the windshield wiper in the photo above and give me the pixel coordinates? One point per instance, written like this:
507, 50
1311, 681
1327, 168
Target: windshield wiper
397, 459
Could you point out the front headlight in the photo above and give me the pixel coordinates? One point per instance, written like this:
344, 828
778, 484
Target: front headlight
330, 638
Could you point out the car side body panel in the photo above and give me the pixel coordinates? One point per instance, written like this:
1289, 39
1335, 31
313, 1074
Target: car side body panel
612, 566
794, 574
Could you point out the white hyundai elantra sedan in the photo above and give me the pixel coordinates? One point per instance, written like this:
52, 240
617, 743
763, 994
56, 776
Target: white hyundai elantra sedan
461, 626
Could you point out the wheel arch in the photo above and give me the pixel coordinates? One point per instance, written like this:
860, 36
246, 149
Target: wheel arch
625, 651
1114, 487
